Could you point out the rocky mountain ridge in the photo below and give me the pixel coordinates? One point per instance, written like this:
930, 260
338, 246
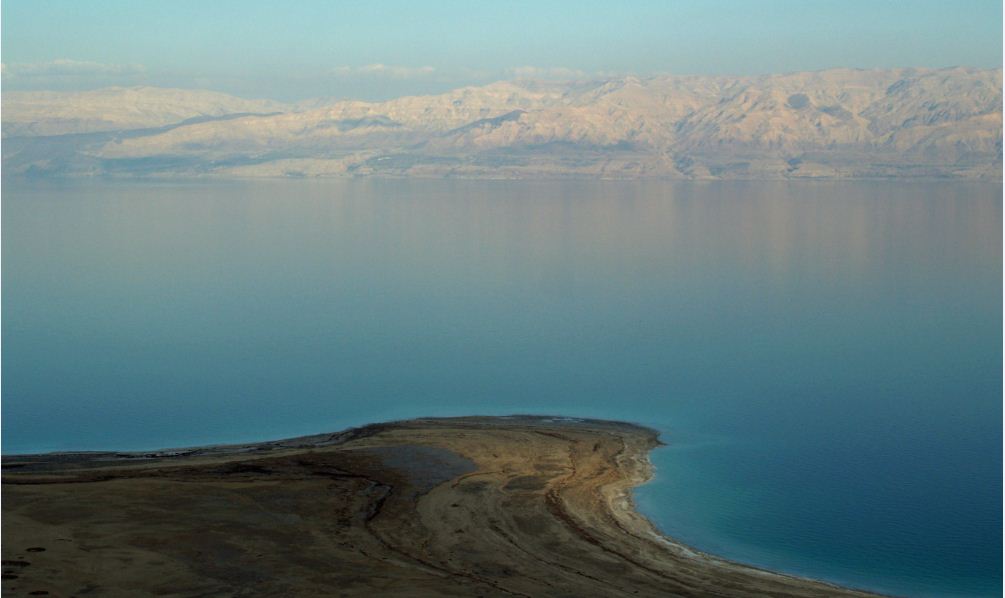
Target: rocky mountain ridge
831, 124
45, 113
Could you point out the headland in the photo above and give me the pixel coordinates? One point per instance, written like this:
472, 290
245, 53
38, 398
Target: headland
470, 506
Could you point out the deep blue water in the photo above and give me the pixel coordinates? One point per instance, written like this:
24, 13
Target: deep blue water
824, 359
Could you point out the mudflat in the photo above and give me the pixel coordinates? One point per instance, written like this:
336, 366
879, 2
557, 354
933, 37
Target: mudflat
472, 506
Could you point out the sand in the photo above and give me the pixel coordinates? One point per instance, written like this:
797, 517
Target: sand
475, 506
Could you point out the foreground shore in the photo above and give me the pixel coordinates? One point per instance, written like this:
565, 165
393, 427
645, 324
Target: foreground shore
475, 506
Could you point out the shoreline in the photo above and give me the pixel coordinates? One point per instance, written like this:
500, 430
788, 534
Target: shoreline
512, 505
947, 177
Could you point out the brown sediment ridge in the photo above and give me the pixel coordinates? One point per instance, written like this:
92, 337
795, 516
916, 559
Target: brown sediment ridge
472, 506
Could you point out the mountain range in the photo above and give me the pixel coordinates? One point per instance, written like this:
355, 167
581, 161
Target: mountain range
839, 123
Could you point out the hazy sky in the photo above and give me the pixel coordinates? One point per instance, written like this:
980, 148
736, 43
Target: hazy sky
301, 49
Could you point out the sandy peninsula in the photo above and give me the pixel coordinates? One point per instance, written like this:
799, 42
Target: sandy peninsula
474, 506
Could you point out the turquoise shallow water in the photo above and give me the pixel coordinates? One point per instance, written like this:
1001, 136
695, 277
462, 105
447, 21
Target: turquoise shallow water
824, 359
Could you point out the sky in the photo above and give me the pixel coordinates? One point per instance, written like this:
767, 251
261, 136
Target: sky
381, 49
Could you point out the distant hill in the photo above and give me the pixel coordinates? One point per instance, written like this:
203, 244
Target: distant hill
41, 113
840, 123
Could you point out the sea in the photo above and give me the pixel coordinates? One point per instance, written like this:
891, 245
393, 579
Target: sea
822, 359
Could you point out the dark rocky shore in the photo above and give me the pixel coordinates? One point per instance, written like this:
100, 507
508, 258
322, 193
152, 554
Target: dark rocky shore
474, 506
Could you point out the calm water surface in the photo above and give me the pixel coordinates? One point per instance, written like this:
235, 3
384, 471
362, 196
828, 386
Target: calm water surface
824, 359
